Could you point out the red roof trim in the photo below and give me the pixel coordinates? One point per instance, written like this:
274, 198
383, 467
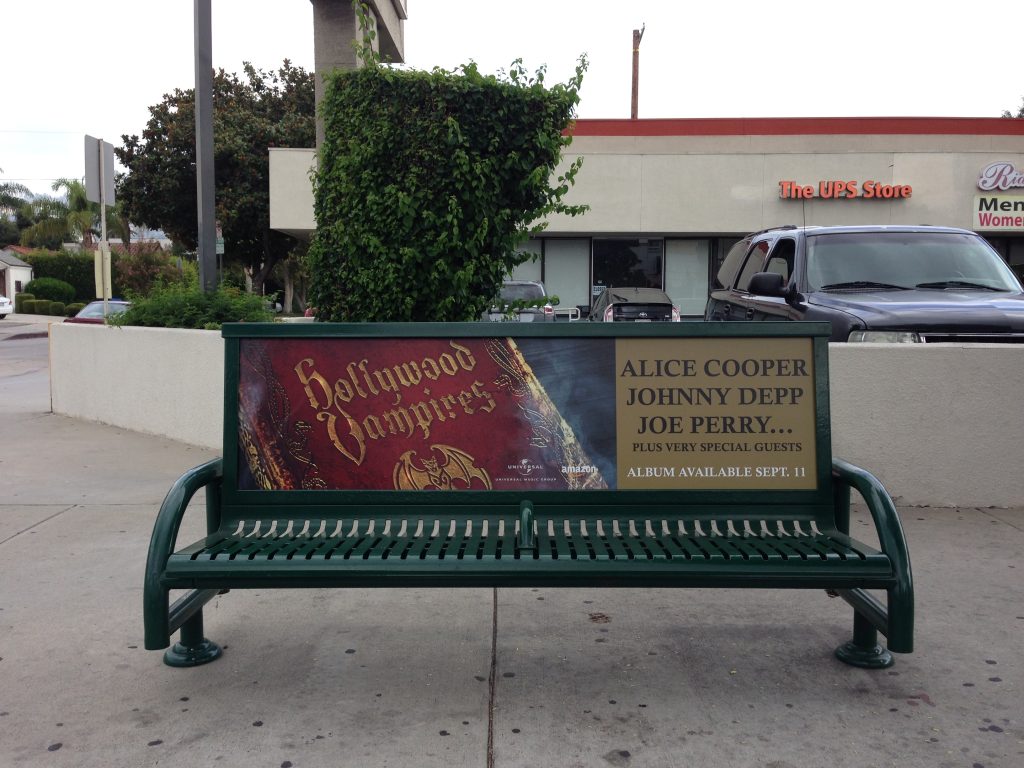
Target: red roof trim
808, 126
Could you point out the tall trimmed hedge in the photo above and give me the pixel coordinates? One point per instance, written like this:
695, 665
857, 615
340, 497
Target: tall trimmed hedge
428, 183
73, 268
133, 274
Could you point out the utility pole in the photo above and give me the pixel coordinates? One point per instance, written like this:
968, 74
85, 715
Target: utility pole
207, 239
638, 35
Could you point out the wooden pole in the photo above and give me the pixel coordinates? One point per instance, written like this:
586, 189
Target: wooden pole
638, 35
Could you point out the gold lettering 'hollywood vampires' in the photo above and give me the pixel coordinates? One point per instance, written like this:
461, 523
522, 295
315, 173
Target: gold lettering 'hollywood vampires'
361, 382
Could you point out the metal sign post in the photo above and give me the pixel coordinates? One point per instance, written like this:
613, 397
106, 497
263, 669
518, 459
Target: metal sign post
204, 146
99, 188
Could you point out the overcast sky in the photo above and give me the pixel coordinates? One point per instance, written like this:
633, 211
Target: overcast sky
76, 68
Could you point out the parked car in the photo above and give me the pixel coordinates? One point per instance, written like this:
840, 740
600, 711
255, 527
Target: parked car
873, 283
93, 311
508, 305
6, 307
638, 305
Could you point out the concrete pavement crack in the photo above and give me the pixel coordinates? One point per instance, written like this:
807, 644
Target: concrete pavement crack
991, 513
492, 680
36, 524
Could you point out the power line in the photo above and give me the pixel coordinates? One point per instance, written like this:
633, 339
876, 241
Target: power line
12, 130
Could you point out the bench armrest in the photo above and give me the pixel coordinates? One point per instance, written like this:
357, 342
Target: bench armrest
168, 519
161, 543
883, 511
900, 617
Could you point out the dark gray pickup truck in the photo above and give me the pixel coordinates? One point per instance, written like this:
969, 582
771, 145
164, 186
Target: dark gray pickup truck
873, 283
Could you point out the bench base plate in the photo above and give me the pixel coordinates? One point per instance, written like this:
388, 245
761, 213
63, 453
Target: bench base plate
179, 655
867, 657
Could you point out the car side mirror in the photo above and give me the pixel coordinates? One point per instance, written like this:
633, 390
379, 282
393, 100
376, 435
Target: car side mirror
774, 284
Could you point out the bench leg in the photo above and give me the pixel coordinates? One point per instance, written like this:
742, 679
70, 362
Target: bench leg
192, 649
864, 650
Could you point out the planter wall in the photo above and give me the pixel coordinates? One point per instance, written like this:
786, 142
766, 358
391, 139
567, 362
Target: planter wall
939, 425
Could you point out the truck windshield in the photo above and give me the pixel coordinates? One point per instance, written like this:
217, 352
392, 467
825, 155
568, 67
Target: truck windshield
927, 260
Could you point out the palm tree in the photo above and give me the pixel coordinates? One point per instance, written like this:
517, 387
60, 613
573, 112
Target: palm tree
12, 196
48, 217
82, 215
56, 219
118, 224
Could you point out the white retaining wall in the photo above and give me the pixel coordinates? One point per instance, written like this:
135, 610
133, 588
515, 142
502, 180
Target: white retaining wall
940, 425
162, 381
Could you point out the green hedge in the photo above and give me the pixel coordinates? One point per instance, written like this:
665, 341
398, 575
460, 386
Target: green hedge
76, 269
58, 308
428, 183
134, 274
42, 307
28, 306
73, 309
20, 299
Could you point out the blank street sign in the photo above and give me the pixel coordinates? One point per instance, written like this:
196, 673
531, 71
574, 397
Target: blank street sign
92, 170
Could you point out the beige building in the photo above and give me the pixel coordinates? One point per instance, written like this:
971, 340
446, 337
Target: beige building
668, 197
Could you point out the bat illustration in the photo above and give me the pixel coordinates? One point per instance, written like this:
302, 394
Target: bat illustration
457, 467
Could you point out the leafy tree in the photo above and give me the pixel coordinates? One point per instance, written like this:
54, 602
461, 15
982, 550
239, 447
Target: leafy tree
9, 233
250, 114
428, 183
1020, 112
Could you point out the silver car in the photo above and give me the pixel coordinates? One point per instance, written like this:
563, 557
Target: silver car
510, 304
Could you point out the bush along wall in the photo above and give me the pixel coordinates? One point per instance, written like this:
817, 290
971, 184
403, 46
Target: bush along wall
19, 301
428, 183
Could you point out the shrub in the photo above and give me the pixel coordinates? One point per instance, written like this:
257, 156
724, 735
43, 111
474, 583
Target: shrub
176, 306
136, 274
20, 299
43, 306
73, 309
58, 308
51, 288
28, 306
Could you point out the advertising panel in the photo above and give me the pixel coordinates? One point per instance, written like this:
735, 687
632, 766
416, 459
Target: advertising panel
526, 414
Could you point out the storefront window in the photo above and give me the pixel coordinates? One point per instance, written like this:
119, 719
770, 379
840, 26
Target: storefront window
628, 263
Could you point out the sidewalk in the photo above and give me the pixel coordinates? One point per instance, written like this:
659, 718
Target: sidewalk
570, 677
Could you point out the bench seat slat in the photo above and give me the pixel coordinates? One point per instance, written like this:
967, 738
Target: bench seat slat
619, 547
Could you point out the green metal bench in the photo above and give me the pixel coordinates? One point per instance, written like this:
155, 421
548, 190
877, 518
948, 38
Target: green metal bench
509, 455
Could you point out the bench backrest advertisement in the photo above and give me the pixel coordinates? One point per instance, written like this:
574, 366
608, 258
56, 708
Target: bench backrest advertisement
529, 413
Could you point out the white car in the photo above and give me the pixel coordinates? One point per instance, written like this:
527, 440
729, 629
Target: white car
6, 307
